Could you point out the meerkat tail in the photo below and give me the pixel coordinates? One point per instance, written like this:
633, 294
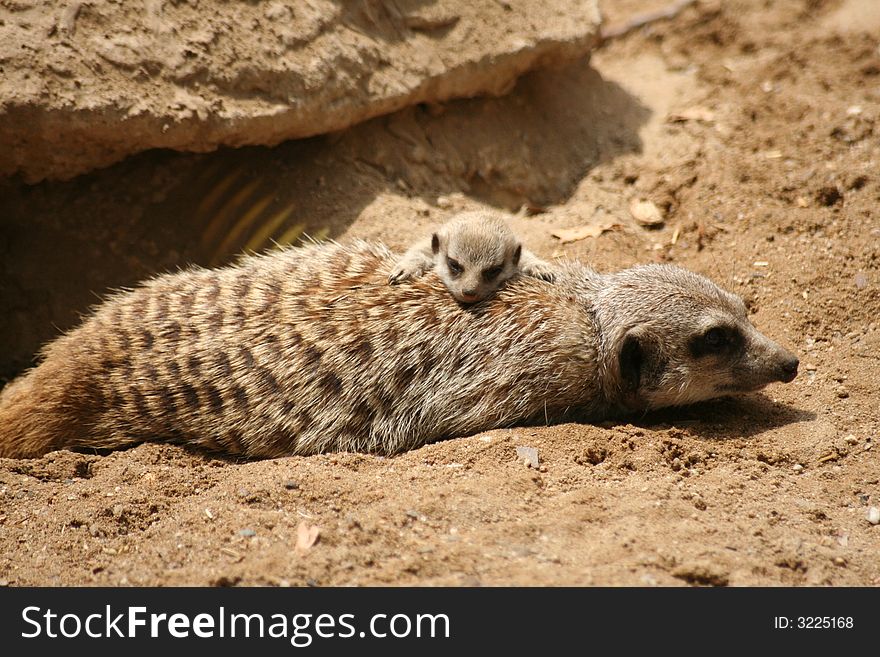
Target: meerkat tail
32, 415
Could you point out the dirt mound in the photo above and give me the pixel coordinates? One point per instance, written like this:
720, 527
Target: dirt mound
85, 84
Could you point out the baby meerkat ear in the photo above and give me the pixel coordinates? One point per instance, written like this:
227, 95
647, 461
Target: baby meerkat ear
517, 253
435, 243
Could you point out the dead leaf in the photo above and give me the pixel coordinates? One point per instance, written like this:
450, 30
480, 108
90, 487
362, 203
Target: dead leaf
306, 536
566, 235
646, 213
695, 113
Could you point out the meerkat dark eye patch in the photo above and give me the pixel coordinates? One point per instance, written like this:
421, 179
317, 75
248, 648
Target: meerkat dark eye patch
717, 340
454, 266
491, 273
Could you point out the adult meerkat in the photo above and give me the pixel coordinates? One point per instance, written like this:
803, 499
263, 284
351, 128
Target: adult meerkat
474, 254
309, 350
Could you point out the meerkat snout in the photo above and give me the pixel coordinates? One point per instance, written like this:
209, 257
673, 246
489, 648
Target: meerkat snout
788, 367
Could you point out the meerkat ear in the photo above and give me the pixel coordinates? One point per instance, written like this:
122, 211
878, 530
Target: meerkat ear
517, 253
435, 243
630, 360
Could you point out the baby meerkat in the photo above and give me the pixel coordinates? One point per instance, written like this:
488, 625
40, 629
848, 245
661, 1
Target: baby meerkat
474, 254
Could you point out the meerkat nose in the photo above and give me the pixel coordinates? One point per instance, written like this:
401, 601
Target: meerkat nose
788, 368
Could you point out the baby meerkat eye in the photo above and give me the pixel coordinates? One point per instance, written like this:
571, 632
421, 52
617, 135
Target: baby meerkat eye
491, 274
455, 267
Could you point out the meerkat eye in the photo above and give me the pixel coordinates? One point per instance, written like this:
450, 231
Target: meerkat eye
455, 267
491, 274
715, 339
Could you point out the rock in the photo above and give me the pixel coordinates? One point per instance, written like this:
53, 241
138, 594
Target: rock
529, 456
873, 515
83, 89
646, 213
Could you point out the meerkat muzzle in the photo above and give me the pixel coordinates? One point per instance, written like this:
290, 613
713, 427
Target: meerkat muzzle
788, 368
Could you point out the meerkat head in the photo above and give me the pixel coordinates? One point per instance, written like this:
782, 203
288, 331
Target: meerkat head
671, 337
474, 254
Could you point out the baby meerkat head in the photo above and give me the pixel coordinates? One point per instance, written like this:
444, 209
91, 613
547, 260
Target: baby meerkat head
672, 337
474, 254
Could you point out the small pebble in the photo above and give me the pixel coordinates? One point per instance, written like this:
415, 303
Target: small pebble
247, 533
291, 485
842, 392
529, 456
797, 467
810, 367
851, 440
873, 515
839, 561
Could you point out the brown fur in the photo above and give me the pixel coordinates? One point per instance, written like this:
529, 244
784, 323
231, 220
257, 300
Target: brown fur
309, 350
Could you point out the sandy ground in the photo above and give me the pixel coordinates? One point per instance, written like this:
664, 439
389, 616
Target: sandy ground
752, 125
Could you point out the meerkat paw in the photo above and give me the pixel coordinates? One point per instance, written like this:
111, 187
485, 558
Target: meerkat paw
398, 275
403, 272
540, 269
